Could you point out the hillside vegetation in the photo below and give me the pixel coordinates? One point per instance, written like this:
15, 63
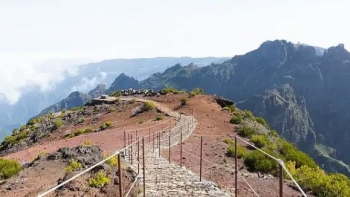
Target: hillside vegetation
302, 167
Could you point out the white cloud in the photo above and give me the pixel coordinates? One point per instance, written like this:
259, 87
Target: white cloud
86, 84
20, 72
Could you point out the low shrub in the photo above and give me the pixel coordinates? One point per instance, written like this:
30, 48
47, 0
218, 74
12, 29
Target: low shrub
88, 143
260, 140
321, 183
99, 181
8, 168
81, 120
132, 101
58, 124
246, 131
159, 117
73, 165
262, 121
113, 162
256, 161
111, 109
236, 120
184, 101
229, 141
291, 153
106, 125
232, 108
149, 105
241, 151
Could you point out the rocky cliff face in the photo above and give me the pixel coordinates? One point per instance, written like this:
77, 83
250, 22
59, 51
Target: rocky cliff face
286, 112
75, 99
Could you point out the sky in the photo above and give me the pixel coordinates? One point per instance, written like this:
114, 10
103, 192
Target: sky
40, 40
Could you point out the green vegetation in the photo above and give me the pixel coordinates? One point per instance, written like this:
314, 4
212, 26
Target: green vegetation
8, 168
81, 120
73, 165
260, 140
169, 90
300, 165
81, 108
31, 122
99, 181
79, 132
132, 101
13, 139
239, 116
246, 131
149, 105
230, 108
116, 93
321, 183
230, 151
196, 91
184, 101
259, 162
113, 162
88, 143
111, 109
58, 124
159, 117
106, 125
262, 121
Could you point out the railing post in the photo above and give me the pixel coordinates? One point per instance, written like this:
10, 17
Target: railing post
124, 139
236, 168
200, 162
128, 151
181, 148
169, 148
153, 141
144, 167
120, 176
281, 178
159, 144
138, 155
131, 150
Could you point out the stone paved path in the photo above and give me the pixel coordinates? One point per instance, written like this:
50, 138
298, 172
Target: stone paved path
171, 180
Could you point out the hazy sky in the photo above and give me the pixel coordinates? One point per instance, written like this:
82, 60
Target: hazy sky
33, 33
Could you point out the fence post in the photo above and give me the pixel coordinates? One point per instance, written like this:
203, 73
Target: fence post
138, 155
120, 176
144, 167
128, 150
169, 147
200, 164
181, 148
236, 168
124, 139
136, 133
153, 141
159, 144
131, 150
281, 178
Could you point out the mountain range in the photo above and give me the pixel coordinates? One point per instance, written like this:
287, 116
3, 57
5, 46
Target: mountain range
33, 100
